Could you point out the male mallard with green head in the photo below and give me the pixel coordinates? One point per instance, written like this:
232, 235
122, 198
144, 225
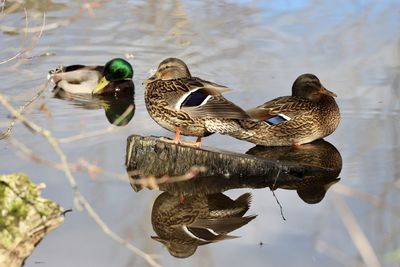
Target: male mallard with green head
311, 113
114, 78
189, 105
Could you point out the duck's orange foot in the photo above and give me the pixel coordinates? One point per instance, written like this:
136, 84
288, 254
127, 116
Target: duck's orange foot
296, 145
192, 144
180, 142
167, 140
181, 199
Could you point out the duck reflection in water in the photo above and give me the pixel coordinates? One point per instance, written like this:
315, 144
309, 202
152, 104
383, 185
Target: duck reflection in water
199, 220
119, 110
313, 186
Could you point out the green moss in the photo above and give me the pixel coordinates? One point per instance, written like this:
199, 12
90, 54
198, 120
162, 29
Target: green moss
18, 210
23, 210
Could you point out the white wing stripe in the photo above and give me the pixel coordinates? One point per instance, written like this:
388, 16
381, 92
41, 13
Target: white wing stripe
183, 97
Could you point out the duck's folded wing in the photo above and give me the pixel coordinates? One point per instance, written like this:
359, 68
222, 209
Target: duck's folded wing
77, 76
210, 87
210, 106
286, 107
217, 226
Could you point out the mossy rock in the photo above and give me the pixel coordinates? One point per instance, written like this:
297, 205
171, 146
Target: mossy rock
25, 218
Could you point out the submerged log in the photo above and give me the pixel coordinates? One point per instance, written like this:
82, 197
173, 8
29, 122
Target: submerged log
151, 157
25, 218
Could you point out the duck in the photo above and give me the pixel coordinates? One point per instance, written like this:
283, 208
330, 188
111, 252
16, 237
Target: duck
309, 114
114, 78
200, 220
188, 105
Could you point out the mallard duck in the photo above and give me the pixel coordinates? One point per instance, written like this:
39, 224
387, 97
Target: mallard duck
188, 105
310, 113
200, 220
115, 78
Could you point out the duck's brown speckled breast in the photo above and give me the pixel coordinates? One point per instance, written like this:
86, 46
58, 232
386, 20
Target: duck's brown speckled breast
165, 114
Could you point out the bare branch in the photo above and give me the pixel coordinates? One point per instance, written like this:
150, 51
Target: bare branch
12, 58
367, 197
80, 165
276, 198
87, 135
79, 198
33, 42
153, 182
358, 237
335, 253
21, 110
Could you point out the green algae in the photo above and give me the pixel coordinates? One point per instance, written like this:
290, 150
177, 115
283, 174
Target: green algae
25, 217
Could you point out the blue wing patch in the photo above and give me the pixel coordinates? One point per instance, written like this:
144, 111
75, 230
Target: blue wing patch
195, 98
277, 119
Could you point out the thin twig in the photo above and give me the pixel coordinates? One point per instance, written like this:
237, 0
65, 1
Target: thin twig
80, 199
21, 110
22, 50
87, 134
280, 206
335, 253
51, 26
80, 165
273, 193
34, 40
153, 182
367, 197
26, 152
26, 22
14, 7
358, 237
13, 57
3, 4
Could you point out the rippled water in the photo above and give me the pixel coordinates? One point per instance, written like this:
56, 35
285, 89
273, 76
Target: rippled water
257, 48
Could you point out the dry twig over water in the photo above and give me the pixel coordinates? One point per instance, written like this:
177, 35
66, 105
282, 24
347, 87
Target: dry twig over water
356, 234
79, 165
276, 198
22, 109
79, 198
32, 44
152, 182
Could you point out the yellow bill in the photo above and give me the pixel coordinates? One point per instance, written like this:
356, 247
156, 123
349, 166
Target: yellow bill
100, 86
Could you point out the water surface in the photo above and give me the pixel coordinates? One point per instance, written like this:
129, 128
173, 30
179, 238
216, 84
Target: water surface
257, 48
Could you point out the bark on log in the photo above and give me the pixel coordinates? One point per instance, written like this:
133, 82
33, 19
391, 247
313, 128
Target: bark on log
148, 157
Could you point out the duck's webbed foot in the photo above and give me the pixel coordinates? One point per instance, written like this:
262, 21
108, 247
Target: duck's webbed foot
196, 143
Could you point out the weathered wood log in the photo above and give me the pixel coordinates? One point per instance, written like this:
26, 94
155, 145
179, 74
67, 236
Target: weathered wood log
25, 218
219, 170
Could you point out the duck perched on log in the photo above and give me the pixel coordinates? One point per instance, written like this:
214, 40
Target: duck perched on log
189, 105
310, 113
